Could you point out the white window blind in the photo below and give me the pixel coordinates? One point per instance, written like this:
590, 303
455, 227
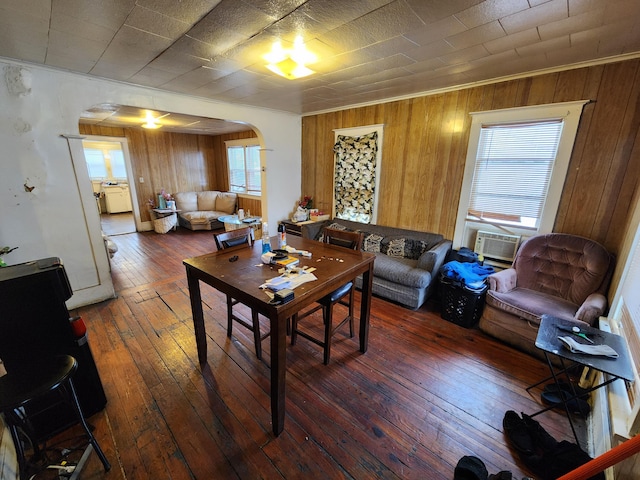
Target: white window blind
513, 170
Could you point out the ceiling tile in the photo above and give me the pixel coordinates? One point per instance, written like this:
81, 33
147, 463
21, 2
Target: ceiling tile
433, 50
434, 10
334, 13
518, 39
110, 14
156, 23
489, 11
567, 26
275, 9
189, 11
388, 21
544, 46
533, 17
436, 31
465, 55
477, 35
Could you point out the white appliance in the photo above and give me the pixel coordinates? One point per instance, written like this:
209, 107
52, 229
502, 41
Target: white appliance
497, 246
117, 198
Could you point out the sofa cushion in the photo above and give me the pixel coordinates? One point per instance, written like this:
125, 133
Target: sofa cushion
531, 304
186, 201
226, 202
372, 242
404, 247
402, 271
200, 218
207, 200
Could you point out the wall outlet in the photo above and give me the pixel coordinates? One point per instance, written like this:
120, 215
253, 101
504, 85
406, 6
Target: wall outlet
141, 179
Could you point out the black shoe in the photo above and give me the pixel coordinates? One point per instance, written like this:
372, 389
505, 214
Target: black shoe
470, 468
580, 392
518, 434
539, 435
577, 406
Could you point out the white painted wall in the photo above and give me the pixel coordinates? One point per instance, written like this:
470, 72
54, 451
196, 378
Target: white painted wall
38, 105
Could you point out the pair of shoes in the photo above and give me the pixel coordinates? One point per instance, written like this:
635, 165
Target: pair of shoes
470, 468
577, 406
579, 391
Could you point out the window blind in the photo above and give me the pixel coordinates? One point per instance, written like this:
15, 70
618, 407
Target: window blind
513, 171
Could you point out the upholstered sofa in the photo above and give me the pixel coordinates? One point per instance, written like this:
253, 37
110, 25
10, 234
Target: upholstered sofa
566, 276
201, 210
407, 261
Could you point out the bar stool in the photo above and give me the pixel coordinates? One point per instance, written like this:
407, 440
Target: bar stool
30, 381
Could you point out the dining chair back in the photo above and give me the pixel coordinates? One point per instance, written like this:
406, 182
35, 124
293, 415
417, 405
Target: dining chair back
233, 238
346, 239
237, 238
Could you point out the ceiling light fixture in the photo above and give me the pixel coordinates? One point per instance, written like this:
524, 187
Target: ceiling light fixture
290, 63
150, 121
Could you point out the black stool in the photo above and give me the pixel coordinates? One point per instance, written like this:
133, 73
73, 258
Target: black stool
26, 383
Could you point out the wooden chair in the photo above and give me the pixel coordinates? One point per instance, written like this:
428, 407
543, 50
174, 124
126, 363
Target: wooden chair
237, 238
347, 239
234, 238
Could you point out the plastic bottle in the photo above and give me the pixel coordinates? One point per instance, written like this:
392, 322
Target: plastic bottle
282, 236
266, 242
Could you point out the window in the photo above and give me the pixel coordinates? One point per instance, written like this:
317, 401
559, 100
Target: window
243, 157
105, 160
516, 165
95, 163
356, 182
513, 171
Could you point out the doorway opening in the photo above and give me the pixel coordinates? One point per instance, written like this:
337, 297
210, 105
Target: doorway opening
107, 166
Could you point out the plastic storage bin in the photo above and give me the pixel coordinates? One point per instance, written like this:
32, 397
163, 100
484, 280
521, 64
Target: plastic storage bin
459, 304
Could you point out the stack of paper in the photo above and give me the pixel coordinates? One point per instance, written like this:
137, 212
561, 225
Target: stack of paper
290, 280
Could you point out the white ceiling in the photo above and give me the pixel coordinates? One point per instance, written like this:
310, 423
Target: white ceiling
369, 50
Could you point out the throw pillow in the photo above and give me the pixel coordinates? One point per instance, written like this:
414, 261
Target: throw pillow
372, 242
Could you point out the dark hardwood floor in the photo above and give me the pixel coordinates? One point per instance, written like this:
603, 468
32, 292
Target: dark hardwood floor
426, 393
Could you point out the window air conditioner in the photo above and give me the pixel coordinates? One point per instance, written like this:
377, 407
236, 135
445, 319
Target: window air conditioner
497, 246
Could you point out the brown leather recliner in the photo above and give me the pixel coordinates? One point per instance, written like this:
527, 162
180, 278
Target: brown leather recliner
558, 274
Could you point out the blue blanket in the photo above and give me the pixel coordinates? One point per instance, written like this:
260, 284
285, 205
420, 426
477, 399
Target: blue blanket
469, 274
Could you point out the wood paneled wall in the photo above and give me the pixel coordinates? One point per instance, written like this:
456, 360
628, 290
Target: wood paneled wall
425, 147
177, 162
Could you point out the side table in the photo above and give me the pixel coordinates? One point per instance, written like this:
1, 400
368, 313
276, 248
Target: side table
547, 341
165, 219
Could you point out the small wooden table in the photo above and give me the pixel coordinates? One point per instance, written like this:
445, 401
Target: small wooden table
241, 279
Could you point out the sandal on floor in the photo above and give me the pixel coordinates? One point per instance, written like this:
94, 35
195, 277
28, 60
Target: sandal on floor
580, 392
577, 406
470, 468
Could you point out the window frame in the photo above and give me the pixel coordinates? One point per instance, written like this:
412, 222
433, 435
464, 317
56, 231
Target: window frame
570, 113
244, 144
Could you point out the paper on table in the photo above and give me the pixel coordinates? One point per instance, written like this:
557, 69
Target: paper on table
600, 350
291, 281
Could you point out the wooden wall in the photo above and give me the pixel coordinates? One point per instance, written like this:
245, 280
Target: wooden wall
177, 162
425, 146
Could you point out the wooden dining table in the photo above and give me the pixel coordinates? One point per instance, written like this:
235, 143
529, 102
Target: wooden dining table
242, 277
